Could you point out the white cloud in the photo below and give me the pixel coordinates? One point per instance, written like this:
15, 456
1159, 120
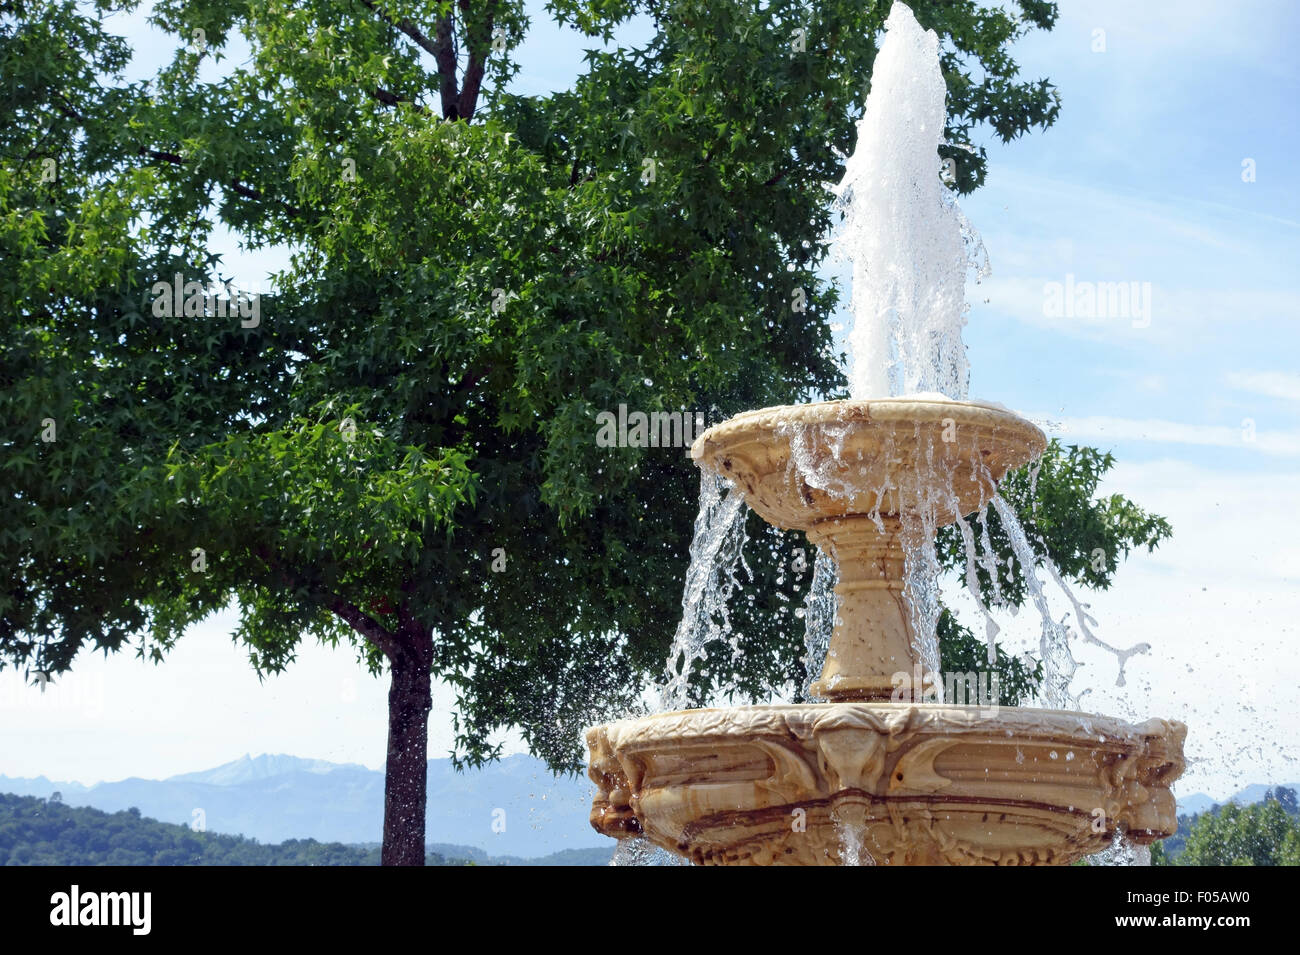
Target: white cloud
1246, 436
1272, 384
1177, 315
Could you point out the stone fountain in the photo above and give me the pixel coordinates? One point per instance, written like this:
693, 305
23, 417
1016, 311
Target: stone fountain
862, 778
907, 783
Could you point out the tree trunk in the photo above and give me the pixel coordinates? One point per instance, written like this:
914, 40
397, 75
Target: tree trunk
406, 774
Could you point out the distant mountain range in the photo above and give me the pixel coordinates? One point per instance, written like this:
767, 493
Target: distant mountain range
274, 797
1199, 802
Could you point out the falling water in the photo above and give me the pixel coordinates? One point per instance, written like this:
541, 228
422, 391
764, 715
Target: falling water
851, 829
921, 594
1122, 851
989, 561
716, 559
1054, 644
911, 248
819, 611
638, 850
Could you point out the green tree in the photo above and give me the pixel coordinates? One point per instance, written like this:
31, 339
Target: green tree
397, 450
1262, 834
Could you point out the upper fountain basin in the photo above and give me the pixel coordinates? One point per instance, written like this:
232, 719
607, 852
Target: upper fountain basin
798, 465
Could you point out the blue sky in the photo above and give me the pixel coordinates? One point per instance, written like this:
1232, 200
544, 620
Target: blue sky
1139, 181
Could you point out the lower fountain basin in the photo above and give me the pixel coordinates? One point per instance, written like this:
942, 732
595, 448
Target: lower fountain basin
892, 783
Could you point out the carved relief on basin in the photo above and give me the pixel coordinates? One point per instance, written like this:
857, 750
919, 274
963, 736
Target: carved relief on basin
917, 784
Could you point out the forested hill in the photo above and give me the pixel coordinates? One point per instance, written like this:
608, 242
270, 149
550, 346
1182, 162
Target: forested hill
37, 832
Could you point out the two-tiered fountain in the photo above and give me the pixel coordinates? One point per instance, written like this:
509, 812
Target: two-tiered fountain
859, 778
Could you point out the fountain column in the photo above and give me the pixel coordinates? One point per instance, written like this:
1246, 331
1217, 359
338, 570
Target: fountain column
873, 637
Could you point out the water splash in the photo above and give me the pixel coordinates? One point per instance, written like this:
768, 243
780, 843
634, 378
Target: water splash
817, 457
1059, 664
1121, 851
716, 559
1085, 621
850, 822
638, 850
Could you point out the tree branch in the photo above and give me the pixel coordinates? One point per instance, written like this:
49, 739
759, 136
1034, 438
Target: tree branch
446, 57
779, 176
360, 621
480, 45
441, 48
407, 27
234, 185
364, 624
64, 106
392, 99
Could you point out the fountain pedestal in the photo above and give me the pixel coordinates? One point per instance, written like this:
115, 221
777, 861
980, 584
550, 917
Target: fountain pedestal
873, 637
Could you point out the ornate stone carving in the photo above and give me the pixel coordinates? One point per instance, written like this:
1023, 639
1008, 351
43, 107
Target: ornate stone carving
925, 784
